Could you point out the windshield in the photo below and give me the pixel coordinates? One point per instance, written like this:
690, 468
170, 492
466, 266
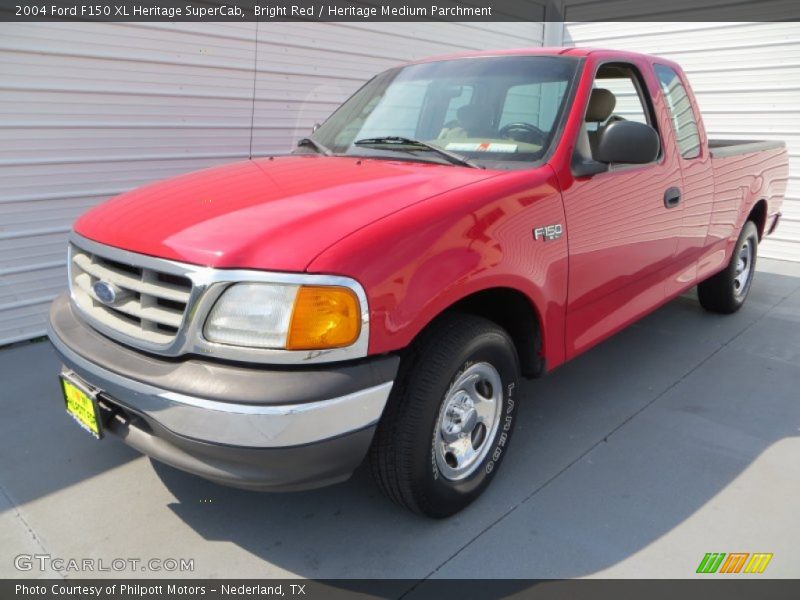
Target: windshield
489, 110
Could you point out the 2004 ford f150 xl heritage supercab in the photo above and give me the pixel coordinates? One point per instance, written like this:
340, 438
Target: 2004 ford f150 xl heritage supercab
457, 224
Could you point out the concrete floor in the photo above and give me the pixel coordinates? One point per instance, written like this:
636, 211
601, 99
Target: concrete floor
679, 436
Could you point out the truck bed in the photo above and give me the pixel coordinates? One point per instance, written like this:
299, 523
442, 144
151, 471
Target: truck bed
744, 173
726, 148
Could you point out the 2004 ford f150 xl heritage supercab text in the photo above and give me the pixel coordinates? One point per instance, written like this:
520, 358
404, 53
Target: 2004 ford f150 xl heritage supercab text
456, 224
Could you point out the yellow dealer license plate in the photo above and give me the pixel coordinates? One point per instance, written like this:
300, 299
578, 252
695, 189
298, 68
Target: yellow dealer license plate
82, 406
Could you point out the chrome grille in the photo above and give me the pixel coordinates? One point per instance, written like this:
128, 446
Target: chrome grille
151, 304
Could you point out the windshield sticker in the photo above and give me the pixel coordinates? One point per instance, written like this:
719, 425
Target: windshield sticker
483, 147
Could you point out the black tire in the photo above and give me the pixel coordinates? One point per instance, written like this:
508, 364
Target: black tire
403, 456
723, 293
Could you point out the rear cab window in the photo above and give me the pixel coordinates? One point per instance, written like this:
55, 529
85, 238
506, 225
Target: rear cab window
681, 113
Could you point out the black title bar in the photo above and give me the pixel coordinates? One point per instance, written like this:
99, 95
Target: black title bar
363, 589
399, 10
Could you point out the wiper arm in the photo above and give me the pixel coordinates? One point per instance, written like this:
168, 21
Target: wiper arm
324, 150
454, 158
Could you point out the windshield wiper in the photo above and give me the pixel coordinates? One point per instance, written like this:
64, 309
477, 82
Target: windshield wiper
315, 145
454, 158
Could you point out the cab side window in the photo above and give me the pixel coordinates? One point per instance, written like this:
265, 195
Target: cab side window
628, 104
680, 109
618, 94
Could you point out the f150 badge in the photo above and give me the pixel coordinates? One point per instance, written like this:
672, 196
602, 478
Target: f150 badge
548, 232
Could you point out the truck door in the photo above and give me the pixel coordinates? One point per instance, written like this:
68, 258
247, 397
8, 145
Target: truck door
623, 224
698, 178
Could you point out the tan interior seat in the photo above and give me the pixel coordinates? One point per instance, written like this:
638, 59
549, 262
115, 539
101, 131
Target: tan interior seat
601, 106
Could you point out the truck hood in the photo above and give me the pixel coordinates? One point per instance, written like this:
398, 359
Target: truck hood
273, 213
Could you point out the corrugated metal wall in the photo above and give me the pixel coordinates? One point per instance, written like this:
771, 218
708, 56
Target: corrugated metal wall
90, 110
747, 80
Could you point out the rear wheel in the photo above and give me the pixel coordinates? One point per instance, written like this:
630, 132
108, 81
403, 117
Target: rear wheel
450, 417
727, 291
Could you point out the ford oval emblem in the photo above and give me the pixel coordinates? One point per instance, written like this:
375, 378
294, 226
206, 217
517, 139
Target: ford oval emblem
104, 292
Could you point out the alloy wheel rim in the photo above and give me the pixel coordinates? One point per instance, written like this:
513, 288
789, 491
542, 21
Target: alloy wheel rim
468, 421
744, 268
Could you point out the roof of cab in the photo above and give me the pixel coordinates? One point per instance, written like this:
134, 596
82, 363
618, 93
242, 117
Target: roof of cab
547, 51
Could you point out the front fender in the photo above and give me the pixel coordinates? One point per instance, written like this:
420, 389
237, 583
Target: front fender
417, 262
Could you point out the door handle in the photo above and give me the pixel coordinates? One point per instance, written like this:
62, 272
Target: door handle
672, 197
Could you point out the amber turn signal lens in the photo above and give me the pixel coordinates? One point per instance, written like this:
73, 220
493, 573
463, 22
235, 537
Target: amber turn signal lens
324, 317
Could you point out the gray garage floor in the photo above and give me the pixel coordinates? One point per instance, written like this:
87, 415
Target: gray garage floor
679, 436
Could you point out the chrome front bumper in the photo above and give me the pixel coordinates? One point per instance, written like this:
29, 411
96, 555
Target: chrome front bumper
197, 408
254, 426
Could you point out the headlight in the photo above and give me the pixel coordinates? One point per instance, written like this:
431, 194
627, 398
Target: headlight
282, 316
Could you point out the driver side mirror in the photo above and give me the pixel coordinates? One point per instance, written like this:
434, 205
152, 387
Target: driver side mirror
628, 142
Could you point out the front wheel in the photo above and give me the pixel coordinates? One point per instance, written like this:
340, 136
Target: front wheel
726, 291
450, 417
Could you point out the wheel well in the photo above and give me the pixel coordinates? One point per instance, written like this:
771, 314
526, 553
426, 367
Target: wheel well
515, 313
758, 215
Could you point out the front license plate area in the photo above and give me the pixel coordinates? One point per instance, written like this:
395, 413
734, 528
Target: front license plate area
81, 405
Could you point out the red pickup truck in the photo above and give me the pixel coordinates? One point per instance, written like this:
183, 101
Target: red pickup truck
457, 224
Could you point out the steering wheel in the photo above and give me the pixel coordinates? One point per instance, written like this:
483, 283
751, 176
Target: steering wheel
523, 132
